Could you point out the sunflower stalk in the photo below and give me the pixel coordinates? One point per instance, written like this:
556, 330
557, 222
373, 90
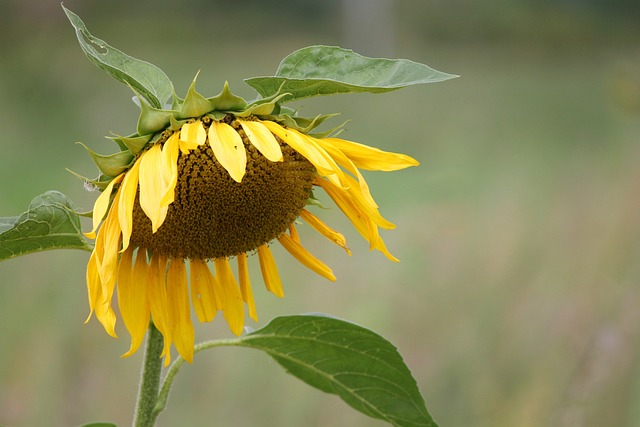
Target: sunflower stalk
145, 414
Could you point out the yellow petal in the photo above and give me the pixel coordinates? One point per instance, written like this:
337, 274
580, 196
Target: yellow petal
101, 205
245, 285
309, 149
371, 158
203, 297
180, 309
233, 310
293, 233
263, 140
152, 186
125, 205
193, 134
132, 297
305, 258
94, 286
270, 271
109, 237
228, 148
325, 230
358, 217
170, 169
346, 163
158, 303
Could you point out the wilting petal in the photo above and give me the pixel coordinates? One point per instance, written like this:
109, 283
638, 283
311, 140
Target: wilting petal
153, 186
371, 158
132, 297
270, 271
305, 258
262, 139
309, 149
293, 233
94, 286
129, 189
228, 148
346, 163
325, 230
245, 285
109, 236
180, 309
202, 291
158, 303
101, 205
233, 310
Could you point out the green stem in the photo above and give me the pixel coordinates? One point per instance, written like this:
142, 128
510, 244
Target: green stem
163, 396
150, 380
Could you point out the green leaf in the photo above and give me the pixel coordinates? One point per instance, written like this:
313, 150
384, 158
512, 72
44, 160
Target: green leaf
145, 78
327, 70
51, 222
338, 357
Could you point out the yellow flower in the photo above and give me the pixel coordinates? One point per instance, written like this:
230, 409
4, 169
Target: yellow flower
213, 191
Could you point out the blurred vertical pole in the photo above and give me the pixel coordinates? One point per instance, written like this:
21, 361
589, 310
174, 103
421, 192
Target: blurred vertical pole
369, 26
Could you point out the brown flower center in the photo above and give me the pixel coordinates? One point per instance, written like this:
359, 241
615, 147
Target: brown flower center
214, 216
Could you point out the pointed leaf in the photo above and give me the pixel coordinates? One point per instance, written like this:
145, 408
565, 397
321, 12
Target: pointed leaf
326, 70
51, 222
145, 78
338, 357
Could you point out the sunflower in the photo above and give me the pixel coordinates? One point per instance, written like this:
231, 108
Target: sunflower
196, 188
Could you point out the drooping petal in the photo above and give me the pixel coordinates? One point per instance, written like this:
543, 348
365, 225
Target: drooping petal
228, 148
203, 297
109, 237
346, 163
94, 286
233, 310
180, 309
262, 139
153, 186
293, 233
127, 200
132, 297
323, 163
101, 205
371, 158
169, 169
158, 303
305, 258
350, 206
245, 285
325, 230
270, 271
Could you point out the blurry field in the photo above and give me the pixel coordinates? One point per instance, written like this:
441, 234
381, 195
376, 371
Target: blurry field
516, 301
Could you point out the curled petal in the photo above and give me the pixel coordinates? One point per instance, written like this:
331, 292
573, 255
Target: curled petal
245, 285
305, 258
270, 271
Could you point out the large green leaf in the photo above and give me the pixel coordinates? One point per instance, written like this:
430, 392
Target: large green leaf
51, 222
326, 70
145, 78
338, 357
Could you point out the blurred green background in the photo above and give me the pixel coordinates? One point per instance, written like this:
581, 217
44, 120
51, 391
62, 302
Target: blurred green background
516, 301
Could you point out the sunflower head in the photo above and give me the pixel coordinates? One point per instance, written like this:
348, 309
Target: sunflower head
207, 182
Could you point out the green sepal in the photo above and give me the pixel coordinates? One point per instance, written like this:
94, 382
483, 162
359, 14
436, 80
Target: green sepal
227, 101
50, 222
134, 143
194, 104
175, 124
147, 79
152, 119
327, 70
263, 107
304, 124
112, 164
